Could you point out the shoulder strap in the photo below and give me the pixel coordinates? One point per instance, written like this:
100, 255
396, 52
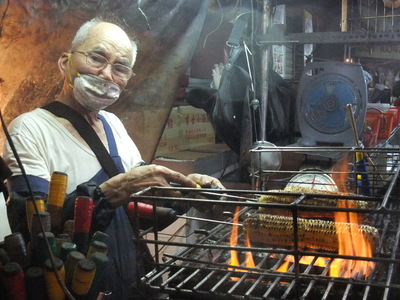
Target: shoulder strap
87, 132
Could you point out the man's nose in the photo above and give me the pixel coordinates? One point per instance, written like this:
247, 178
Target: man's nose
106, 72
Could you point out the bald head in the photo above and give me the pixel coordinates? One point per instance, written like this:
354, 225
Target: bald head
99, 31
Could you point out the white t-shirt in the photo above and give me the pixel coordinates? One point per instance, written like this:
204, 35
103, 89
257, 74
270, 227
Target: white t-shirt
45, 145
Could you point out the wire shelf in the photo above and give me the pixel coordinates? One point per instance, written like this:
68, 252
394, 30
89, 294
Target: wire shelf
374, 16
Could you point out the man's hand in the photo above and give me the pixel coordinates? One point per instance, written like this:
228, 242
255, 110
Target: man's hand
119, 188
205, 180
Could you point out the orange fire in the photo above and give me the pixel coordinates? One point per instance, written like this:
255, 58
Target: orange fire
233, 239
350, 243
249, 261
305, 260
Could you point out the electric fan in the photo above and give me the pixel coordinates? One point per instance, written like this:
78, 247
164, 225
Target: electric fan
325, 90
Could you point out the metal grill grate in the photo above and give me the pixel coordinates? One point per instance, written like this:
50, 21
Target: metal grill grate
201, 269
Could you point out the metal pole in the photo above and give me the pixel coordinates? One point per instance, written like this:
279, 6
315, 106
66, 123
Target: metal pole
265, 65
344, 15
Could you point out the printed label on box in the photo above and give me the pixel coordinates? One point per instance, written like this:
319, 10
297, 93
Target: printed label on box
186, 127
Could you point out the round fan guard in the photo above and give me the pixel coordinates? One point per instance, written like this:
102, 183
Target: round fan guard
325, 90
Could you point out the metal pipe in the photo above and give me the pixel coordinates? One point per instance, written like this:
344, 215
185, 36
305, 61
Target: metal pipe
344, 15
353, 123
356, 139
265, 66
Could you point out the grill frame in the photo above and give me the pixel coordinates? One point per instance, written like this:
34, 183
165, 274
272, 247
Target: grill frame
384, 184
375, 26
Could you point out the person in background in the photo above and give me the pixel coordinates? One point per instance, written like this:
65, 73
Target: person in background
95, 70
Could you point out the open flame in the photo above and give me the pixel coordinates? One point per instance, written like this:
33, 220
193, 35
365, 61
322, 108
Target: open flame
234, 238
350, 243
249, 261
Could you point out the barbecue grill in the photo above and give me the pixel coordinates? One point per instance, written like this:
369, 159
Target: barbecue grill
202, 269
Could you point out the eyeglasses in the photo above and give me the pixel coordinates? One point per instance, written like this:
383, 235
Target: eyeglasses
99, 62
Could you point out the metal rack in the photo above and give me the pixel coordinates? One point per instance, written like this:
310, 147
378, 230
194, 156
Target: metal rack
362, 22
202, 270
344, 164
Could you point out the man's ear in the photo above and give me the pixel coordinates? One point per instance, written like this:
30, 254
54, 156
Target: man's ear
63, 63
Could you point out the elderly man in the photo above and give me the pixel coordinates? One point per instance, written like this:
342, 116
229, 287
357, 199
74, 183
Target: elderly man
95, 71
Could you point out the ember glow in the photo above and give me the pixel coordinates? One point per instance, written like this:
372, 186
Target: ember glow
305, 260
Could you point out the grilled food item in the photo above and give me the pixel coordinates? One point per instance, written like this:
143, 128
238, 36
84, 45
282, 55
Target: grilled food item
315, 201
278, 231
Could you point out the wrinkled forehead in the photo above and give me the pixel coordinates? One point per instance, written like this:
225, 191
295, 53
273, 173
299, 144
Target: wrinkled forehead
110, 37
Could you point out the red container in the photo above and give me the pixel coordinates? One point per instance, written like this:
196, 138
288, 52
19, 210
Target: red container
393, 110
386, 125
397, 122
373, 119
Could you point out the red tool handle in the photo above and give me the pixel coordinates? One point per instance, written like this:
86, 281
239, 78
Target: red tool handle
146, 211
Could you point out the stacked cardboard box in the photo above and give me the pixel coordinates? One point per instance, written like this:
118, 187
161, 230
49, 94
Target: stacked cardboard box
187, 127
211, 159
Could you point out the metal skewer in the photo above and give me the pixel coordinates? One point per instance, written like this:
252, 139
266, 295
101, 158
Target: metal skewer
209, 220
